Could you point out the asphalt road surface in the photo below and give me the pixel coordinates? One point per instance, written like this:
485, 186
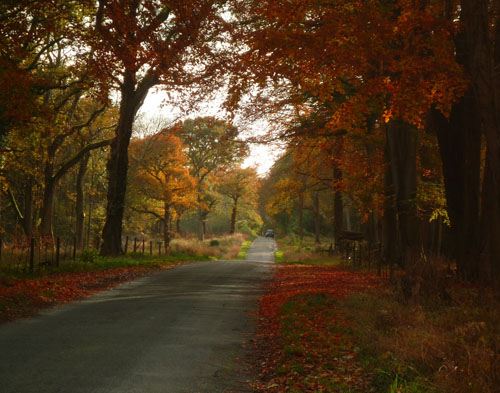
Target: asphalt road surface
176, 331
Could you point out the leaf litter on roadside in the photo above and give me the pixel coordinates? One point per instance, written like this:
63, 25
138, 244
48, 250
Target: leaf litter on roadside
303, 342
25, 297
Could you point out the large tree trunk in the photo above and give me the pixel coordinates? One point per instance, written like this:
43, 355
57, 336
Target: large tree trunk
27, 219
402, 154
481, 61
48, 208
301, 217
166, 226
338, 203
390, 236
80, 215
459, 140
117, 168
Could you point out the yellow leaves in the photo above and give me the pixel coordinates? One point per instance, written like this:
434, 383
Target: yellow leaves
159, 171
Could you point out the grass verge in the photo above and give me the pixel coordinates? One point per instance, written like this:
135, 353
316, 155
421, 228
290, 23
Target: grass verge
242, 254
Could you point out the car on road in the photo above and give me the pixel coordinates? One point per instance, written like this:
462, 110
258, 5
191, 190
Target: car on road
269, 233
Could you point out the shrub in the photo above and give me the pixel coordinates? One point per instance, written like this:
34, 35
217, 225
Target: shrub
89, 255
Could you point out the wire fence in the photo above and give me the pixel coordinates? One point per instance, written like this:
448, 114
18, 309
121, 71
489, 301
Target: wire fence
34, 253
360, 254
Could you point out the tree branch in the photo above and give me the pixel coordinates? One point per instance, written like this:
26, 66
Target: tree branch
14, 204
78, 156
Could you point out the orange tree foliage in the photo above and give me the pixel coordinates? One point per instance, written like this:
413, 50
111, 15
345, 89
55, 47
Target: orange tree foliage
160, 174
395, 59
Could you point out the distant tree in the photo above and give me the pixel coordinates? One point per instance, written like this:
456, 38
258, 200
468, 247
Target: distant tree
161, 176
240, 185
212, 147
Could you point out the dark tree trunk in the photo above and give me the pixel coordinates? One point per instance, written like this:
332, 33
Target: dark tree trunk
234, 213
402, 154
481, 56
459, 140
338, 203
48, 208
117, 168
301, 217
48, 194
390, 235
166, 227
28, 207
317, 218
80, 215
178, 226
204, 228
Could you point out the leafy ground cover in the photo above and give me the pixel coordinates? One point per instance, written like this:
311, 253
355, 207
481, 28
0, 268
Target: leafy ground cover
303, 343
325, 329
22, 295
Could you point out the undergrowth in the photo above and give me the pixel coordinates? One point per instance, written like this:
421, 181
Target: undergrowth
454, 348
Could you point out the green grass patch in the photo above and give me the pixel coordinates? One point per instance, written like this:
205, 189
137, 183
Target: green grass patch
319, 261
278, 256
242, 254
90, 261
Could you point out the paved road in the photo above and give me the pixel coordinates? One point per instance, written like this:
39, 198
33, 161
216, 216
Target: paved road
262, 250
176, 331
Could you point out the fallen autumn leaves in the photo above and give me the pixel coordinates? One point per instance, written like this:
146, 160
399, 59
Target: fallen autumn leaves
25, 297
303, 342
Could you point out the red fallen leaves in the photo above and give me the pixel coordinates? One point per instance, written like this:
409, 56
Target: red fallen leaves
24, 297
303, 343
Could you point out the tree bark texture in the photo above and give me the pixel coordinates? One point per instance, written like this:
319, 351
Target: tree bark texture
317, 218
459, 140
117, 167
80, 215
475, 16
338, 204
391, 241
402, 155
166, 226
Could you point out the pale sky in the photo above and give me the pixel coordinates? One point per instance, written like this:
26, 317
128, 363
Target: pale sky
261, 156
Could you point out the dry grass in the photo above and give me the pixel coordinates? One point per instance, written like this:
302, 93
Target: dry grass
454, 346
222, 247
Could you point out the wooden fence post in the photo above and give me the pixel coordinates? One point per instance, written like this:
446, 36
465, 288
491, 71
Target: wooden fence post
159, 248
74, 249
58, 250
126, 245
32, 254
143, 245
135, 244
151, 247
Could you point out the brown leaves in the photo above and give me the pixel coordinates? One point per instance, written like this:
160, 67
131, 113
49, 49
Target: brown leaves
303, 342
24, 297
